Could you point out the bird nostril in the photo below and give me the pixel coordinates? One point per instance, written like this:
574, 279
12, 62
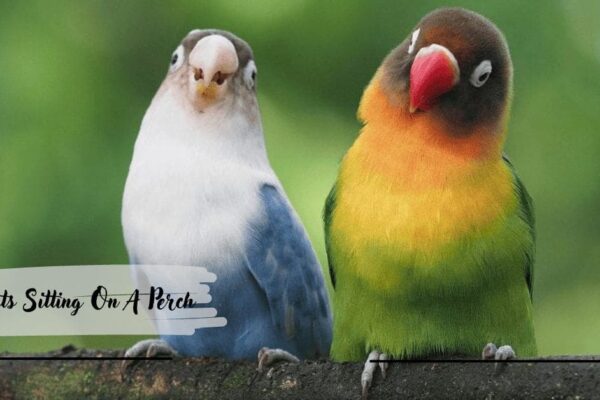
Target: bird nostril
198, 74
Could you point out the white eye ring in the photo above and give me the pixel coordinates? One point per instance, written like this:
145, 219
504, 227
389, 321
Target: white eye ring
250, 74
413, 40
481, 73
176, 59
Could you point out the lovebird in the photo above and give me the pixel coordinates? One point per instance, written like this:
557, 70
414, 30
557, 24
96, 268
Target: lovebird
429, 230
201, 192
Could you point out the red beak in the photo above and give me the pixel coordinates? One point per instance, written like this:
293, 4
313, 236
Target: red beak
434, 72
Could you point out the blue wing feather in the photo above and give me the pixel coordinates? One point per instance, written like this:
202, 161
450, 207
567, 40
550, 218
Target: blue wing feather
282, 260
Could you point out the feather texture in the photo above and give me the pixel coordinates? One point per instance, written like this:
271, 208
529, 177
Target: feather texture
200, 191
430, 240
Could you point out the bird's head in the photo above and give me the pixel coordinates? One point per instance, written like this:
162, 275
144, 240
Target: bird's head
210, 66
454, 68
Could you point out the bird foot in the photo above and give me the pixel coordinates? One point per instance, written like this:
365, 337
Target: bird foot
267, 356
366, 378
502, 353
147, 348
150, 348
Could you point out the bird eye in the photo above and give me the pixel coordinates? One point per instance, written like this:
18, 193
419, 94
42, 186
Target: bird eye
413, 40
250, 74
176, 59
481, 73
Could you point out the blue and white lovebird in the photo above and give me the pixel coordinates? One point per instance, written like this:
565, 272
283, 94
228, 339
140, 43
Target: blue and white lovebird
201, 191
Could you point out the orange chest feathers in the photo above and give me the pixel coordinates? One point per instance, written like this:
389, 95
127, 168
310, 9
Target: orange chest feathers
404, 181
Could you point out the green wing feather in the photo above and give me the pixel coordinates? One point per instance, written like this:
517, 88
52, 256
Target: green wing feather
527, 213
327, 216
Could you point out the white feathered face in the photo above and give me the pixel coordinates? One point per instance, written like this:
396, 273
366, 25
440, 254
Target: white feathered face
211, 66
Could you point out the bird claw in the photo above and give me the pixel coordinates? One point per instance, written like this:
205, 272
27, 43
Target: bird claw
502, 353
489, 351
148, 348
383, 365
267, 356
366, 378
505, 353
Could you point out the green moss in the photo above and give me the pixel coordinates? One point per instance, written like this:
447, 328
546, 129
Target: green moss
235, 380
45, 383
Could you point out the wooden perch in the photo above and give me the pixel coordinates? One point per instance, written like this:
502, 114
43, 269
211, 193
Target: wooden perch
187, 378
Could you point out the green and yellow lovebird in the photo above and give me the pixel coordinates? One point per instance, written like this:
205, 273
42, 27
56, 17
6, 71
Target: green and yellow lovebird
429, 231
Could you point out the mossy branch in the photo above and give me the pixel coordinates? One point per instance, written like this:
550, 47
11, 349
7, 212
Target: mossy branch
219, 379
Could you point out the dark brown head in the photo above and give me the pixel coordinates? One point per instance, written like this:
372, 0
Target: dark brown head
211, 65
455, 65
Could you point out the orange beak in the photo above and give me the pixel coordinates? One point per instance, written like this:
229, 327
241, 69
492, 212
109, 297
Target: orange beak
434, 72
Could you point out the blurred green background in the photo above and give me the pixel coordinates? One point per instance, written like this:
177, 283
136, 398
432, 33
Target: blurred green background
76, 78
